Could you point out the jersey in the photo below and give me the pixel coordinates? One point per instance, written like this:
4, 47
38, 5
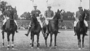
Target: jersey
36, 12
78, 14
49, 13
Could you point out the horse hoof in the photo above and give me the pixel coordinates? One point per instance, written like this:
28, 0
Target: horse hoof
12, 45
31, 47
83, 48
55, 46
7, 48
50, 47
79, 48
46, 46
14, 49
3, 44
38, 48
26, 34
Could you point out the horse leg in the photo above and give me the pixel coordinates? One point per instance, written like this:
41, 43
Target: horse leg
38, 41
8, 39
3, 37
50, 40
32, 40
55, 40
83, 41
79, 41
46, 42
46, 39
13, 39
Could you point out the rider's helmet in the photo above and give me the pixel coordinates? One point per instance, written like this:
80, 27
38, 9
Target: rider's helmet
48, 6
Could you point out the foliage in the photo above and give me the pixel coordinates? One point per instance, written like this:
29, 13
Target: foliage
5, 10
68, 15
26, 15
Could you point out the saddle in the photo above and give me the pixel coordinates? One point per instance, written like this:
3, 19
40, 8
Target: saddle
8, 25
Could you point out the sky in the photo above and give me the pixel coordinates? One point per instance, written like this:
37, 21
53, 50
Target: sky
27, 5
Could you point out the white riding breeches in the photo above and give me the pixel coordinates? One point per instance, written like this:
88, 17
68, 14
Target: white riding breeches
46, 21
38, 18
85, 22
5, 20
16, 22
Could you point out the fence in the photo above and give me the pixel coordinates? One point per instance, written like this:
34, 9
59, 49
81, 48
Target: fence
67, 24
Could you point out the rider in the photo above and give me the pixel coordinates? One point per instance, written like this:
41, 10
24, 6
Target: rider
49, 14
78, 14
36, 12
6, 17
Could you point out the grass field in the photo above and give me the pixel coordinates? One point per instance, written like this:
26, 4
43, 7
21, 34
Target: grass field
66, 41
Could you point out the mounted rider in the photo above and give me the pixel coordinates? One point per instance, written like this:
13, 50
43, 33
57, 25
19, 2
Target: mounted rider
49, 14
35, 12
7, 17
78, 14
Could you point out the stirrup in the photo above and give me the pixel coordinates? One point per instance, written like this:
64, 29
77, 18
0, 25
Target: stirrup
16, 31
26, 34
86, 34
75, 34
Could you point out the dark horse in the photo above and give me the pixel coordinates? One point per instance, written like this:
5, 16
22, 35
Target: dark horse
9, 28
81, 29
35, 29
52, 28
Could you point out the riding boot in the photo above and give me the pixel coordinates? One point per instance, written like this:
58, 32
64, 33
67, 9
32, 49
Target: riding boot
16, 30
47, 31
86, 31
75, 32
28, 31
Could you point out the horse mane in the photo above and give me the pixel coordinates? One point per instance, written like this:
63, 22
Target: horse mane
57, 15
82, 18
34, 19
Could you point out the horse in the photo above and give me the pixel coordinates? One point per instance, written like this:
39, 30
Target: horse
35, 30
81, 29
52, 29
10, 28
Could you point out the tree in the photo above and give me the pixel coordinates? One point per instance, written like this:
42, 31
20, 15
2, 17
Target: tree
6, 10
3, 5
88, 14
26, 15
2, 8
15, 13
68, 15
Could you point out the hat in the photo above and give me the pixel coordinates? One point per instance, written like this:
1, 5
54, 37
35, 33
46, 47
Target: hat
49, 7
80, 7
35, 5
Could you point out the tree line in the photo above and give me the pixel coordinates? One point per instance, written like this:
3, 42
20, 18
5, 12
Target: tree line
27, 15
4, 10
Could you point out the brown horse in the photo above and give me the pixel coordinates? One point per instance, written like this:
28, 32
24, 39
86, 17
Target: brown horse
81, 29
52, 28
35, 29
10, 28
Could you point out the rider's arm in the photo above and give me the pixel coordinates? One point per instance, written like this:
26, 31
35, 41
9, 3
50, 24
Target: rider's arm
52, 15
45, 14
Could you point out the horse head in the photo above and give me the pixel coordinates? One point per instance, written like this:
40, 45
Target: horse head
57, 15
82, 18
34, 19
